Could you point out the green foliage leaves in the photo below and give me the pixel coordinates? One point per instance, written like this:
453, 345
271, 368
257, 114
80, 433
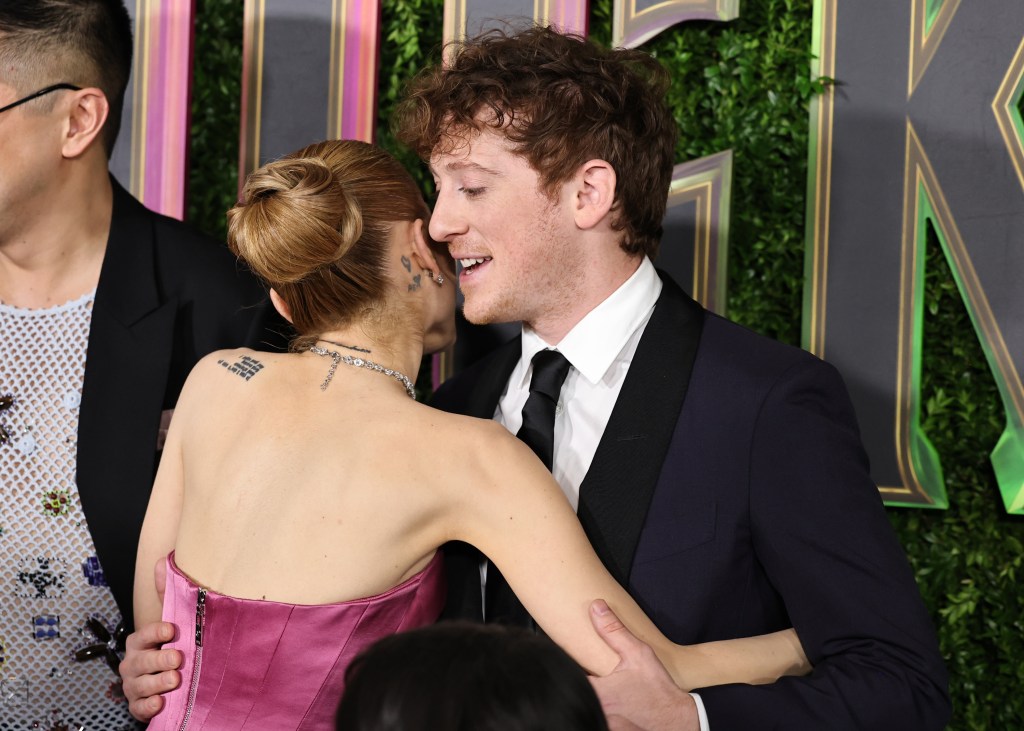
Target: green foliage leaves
411, 40
967, 559
744, 85
216, 113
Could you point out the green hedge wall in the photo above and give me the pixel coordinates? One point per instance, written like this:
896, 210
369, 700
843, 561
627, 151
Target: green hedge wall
745, 85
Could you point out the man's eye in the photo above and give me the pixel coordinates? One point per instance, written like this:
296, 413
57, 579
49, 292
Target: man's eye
472, 192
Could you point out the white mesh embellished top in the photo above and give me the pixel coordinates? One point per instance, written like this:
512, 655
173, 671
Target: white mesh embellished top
54, 602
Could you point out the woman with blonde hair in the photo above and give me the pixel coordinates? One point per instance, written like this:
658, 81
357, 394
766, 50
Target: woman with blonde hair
302, 497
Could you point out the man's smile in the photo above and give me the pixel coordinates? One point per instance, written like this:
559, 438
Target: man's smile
472, 264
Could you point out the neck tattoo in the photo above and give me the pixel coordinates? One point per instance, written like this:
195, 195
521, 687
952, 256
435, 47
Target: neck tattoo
346, 347
337, 358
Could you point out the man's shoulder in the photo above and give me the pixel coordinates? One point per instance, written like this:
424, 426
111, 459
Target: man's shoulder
185, 256
731, 344
183, 236
153, 260
745, 369
131, 216
181, 242
721, 340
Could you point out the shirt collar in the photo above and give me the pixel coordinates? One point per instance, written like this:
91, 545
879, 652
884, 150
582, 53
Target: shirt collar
594, 342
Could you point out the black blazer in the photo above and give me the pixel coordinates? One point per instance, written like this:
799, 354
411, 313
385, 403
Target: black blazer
730, 494
166, 297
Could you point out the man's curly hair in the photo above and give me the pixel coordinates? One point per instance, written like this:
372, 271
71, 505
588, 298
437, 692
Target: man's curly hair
560, 100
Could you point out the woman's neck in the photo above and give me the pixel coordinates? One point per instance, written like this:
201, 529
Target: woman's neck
399, 351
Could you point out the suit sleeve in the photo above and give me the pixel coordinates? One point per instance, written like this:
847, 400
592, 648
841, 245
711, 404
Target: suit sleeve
821, 533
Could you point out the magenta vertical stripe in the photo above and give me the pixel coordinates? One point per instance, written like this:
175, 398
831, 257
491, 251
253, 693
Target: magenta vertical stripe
351, 72
167, 52
359, 77
570, 16
155, 108
179, 78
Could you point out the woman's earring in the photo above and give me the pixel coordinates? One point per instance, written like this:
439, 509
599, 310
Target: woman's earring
439, 278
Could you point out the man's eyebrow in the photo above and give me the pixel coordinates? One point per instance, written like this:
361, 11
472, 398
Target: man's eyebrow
457, 165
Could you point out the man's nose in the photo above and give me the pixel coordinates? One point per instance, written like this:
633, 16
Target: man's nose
445, 223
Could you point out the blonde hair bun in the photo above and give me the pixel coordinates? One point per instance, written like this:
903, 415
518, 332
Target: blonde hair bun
294, 218
317, 227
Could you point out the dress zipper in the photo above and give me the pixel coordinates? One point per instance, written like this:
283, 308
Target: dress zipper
198, 660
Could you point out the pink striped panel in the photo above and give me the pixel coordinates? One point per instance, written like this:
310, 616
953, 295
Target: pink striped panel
569, 16
360, 20
160, 113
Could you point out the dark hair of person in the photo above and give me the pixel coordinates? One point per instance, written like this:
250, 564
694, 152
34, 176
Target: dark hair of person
315, 226
81, 42
561, 100
461, 676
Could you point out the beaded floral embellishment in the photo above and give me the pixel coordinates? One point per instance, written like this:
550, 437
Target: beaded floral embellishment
56, 502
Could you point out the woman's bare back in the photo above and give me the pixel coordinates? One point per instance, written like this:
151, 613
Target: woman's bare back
293, 493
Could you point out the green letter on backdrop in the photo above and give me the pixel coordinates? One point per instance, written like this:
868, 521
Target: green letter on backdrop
922, 132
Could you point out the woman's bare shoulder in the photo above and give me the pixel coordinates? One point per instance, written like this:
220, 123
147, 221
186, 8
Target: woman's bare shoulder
241, 363
484, 449
457, 429
226, 375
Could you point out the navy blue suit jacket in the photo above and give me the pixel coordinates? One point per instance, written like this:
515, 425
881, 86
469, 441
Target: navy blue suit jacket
730, 494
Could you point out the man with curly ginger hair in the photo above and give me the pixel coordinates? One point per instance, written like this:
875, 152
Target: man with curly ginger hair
719, 474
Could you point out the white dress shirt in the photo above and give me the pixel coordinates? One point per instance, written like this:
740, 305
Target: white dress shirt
600, 348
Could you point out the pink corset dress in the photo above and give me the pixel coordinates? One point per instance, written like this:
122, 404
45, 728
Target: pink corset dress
255, 665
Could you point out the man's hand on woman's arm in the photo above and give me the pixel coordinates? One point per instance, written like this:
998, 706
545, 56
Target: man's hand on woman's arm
639, 693
147, 671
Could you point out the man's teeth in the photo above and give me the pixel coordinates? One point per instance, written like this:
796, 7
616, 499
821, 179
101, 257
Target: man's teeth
467, 263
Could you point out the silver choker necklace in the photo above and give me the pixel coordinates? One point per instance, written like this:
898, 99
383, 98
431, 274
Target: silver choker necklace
337, 357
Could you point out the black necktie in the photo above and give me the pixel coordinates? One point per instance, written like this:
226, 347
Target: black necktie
538, 432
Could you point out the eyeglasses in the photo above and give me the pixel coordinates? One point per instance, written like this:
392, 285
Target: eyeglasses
39, 93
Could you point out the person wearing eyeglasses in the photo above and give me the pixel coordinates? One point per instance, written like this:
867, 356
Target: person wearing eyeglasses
104, 309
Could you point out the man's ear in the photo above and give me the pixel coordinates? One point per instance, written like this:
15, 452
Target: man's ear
85, 120
280, 305
421, 251
594, 193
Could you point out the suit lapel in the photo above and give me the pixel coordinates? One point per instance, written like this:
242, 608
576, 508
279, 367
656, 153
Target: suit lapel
617, 490
128, 358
